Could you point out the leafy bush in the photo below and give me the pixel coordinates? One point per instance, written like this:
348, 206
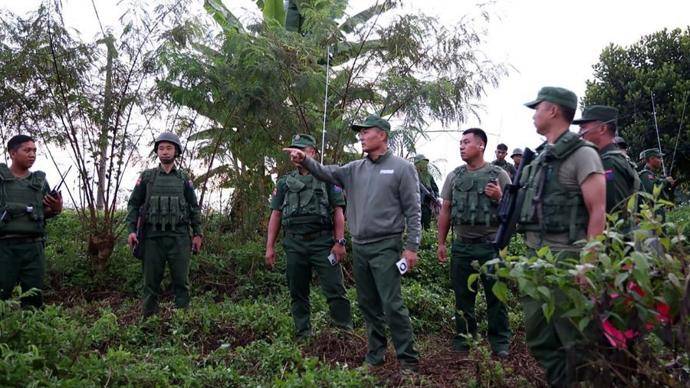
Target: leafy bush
624, 286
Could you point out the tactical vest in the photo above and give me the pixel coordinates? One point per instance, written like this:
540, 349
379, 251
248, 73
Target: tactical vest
167, 208
21, 203
549, 207
612, 154
470, 205
306, 201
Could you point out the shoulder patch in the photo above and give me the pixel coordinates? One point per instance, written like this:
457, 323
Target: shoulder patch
337, 189
609, 174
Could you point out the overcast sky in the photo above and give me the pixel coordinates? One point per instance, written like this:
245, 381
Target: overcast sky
552, 42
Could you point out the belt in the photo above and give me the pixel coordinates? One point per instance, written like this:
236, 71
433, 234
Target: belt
19, 239
309, 236
476, 240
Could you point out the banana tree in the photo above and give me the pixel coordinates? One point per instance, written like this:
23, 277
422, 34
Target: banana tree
260, 84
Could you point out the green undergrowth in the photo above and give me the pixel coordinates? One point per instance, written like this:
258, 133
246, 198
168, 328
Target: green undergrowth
237, 332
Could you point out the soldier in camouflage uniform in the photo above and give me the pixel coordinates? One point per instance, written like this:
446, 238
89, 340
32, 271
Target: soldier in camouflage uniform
517, 158
650, 177
471, 194
311, 213
564, 202
25, 204
598, 125
171, 211
501, 153
428, 190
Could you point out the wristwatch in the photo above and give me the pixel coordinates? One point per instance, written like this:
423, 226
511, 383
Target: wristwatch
341, 242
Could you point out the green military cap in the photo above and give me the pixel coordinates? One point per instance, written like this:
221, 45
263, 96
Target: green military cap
517, 151
372, 121
301, 141
419, 158
603, 113
648, 153
556, 95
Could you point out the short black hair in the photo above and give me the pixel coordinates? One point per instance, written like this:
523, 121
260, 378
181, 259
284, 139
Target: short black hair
477, 132
568, 113
502, 147
17, 140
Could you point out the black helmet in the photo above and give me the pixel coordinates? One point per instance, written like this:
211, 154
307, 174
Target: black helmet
170, 138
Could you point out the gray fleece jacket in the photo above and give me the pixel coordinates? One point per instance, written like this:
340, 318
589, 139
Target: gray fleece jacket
382, 197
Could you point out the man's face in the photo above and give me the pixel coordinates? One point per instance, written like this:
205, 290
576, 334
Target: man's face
654, 162
471, 147
24, 155
591, 131
501, 154
543, 113
166, 152
517, 159
371, 138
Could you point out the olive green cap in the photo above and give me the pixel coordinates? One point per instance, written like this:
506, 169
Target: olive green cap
302, 140
420, 157
556, 95
603, 113
372, 121
648, 153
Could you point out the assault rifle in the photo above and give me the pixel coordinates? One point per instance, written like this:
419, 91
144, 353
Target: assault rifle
428, 195
138, 250
511, 204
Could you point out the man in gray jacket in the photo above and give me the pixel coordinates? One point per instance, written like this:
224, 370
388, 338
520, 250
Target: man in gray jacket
383, 200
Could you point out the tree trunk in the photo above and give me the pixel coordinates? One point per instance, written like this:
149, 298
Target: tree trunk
103, 141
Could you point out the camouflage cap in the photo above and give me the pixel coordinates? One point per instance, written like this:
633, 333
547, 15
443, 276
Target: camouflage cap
648, 153
302, 140
556, 95
517, 151
420, 157
603, 113
372, 121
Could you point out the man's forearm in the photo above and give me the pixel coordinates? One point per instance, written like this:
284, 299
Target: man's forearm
273, 228
597, 222
443, 224
338, 223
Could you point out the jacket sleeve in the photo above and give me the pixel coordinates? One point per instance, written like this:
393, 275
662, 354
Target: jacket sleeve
411, 206
136, 200
337, 175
